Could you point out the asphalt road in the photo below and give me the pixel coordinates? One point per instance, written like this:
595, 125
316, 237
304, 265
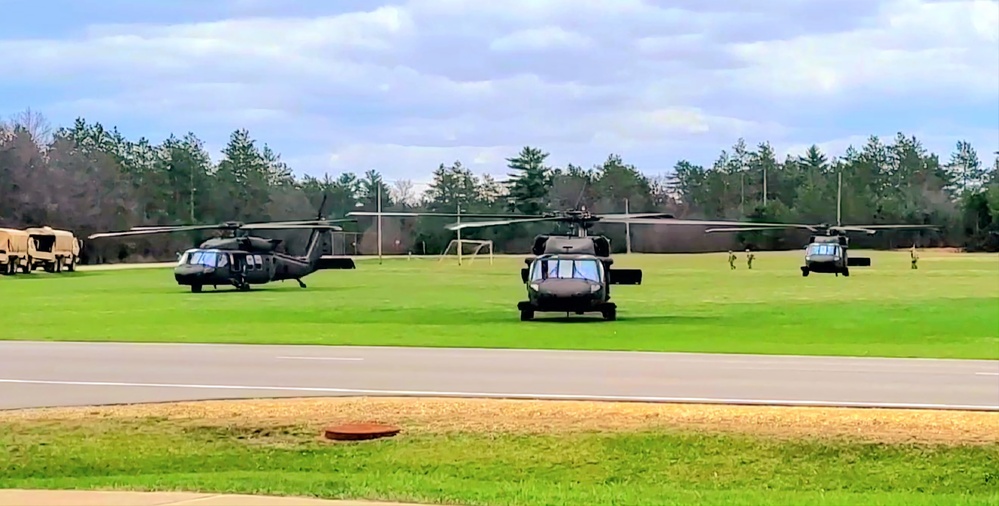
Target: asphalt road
36, 374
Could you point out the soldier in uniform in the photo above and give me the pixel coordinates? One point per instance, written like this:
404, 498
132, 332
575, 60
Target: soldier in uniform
913, 256
749, 258
731, 260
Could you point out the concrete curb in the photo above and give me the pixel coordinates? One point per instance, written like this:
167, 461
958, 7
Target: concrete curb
17, 497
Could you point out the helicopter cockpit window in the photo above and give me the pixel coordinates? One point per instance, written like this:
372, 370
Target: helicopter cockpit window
566, 269
824, 249
206, 258
586, 269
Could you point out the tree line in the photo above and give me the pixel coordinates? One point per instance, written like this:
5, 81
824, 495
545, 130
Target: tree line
88, 178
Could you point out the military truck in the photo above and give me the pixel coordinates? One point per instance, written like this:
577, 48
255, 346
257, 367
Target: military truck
53, 249
13, 251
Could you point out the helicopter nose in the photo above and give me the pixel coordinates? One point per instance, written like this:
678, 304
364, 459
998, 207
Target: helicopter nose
560, 288
191, 273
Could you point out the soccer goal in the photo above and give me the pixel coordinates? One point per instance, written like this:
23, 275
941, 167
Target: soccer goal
467, 247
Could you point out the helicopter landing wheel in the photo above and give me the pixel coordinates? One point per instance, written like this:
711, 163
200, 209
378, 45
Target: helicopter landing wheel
526, 315
846, 271
610, 314
804, 272
195, 288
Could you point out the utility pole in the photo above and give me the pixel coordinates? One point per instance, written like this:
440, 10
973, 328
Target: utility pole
839, 200
742, 192
459, 232
192, 195
379, 222
627, 228
764, 185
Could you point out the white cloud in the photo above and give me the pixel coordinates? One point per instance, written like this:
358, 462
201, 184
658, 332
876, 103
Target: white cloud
405, 87
911, 46
539, 39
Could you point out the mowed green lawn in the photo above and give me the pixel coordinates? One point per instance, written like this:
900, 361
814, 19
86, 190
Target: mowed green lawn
949, 307
647, 468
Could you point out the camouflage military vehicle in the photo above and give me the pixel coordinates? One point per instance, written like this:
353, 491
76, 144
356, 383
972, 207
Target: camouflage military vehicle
13, 251
53, 249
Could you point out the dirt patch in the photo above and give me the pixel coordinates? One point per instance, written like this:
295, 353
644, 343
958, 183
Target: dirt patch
545, 417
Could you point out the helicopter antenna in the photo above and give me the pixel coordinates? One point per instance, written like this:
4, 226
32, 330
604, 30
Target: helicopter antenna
839, 200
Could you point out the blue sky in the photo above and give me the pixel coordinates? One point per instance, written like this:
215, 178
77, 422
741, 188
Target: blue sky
348, 85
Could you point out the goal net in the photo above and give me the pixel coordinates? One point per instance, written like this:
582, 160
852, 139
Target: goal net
467, 248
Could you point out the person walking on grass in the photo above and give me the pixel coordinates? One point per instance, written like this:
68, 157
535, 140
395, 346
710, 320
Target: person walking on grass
749, 259
913, 257
731, 260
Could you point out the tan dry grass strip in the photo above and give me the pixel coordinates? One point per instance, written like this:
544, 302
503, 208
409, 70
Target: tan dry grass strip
520, 416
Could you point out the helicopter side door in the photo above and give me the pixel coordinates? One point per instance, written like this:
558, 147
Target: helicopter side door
256, 270
237, 265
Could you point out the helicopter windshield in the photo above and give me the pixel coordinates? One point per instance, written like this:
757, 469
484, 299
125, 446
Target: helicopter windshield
566, 269
206, 258
823, 249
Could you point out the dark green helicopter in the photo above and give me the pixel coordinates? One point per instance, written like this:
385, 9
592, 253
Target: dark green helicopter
243, 260
572, 272
826, 251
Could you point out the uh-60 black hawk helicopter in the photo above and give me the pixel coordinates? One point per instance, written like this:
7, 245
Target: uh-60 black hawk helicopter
242, 260
826, 251
572, 273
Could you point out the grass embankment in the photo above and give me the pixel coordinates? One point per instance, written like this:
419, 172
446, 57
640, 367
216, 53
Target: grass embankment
489, 452
949, 307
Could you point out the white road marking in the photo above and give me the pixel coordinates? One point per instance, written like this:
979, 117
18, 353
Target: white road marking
431, 393
345, 359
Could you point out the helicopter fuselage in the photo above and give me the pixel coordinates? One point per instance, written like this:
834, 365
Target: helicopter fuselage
828, 255
222, 262
570, 283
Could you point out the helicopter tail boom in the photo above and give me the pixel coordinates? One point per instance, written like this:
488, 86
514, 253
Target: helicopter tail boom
332, 262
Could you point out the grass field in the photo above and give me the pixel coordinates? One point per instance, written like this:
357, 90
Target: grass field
949, 307
524, 453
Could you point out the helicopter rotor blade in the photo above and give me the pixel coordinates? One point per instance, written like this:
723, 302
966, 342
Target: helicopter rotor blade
276, 225
313, 226
151, 231
852, 228
609, 217
740, 229
710, 223
451, 215
496, 223
883, 227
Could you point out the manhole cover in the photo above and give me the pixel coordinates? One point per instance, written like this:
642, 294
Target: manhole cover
359, 431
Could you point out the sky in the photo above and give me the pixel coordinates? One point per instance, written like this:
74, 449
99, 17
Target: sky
350, 85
